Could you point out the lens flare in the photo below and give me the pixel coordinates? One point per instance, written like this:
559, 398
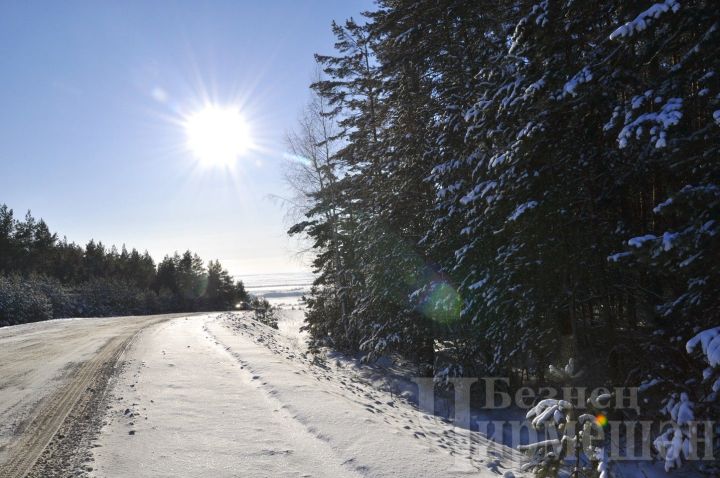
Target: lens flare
601, 420
442, 303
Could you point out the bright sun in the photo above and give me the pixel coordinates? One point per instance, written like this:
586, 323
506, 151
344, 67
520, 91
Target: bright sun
217, 135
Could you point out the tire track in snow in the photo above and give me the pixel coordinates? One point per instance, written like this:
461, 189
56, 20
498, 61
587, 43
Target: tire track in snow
48, 419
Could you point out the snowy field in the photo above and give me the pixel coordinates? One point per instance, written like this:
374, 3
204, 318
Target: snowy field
283, 290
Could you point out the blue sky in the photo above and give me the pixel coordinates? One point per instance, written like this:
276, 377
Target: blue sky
92, 95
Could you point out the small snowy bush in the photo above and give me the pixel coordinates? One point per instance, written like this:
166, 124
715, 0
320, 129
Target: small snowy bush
675, 445
566, 436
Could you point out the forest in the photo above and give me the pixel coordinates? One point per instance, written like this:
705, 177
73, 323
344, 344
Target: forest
43, 277
491, 188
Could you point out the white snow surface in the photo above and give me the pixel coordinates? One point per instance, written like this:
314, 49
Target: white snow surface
223, 395
521, 209
641, 240
645, 19
584, 76
709, 340
658, 123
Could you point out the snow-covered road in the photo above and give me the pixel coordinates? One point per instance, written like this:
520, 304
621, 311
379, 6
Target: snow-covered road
222, 396
225, 396
194, 411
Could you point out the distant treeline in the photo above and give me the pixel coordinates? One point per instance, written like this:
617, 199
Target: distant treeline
43, 277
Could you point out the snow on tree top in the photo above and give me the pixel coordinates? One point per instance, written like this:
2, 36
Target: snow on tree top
710, 342
644, 20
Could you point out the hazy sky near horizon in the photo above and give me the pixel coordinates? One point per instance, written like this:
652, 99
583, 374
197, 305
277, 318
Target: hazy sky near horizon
94, 95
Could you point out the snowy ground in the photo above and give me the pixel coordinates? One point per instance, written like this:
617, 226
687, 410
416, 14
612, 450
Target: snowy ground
52, 378
39, 359
219, 395
223, 396
185, 407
